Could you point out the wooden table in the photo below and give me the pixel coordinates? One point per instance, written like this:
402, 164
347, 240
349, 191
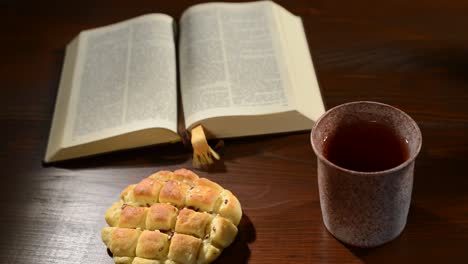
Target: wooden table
410, 54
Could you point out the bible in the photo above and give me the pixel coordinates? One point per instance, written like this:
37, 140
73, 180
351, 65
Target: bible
241, 69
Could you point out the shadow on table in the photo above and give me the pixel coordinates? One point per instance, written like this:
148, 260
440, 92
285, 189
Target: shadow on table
161, 155
270, 146
426, 238
238, 252
180, 155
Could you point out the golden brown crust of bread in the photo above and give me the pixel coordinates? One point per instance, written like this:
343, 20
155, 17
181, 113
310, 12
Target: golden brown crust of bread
192, 223
203, 198
222, 232
161, 217
138, 260
230, 207
113, 214
186, 176
174, 192
208, 183
172, 218
146, 192
106, 235
133, 217
208, 253
162, 175
152, 245
123, 260
146, 261
184, 248
127, 194
124, 241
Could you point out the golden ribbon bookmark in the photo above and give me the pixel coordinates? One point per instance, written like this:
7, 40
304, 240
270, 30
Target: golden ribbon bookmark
203, 154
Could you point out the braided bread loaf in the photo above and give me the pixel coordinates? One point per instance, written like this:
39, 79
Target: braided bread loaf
171, 218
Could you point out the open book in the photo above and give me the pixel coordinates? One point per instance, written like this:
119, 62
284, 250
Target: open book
244, 69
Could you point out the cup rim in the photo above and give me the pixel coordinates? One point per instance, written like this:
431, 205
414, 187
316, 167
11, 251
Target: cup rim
396, 168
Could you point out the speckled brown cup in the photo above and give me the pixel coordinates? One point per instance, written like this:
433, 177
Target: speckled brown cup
365, 209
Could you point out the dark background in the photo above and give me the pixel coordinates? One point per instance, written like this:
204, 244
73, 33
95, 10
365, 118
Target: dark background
410, 54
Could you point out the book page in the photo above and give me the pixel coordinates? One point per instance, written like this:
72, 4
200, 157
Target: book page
231, 62
125, 80
303, 78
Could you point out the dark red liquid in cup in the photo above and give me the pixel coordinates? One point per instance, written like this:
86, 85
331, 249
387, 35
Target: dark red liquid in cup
366, 146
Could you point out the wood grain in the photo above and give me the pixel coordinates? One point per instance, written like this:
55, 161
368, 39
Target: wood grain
411, 54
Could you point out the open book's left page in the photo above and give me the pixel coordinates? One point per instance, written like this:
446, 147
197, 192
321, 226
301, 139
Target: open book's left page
118, 85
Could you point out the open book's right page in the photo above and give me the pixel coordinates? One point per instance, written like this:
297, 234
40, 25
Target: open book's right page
233, 65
